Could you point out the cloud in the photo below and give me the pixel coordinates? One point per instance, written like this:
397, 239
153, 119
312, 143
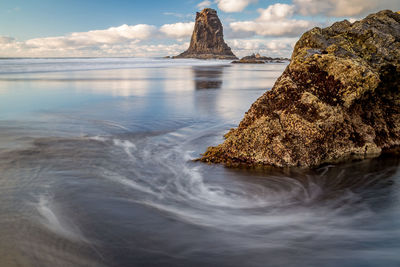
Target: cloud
178, 15
125, 40
58, 47
273, 21
276, 12
145, 50
281, 47
343, 8
204, 4
6, 40
178, 30
113, 35
233, 5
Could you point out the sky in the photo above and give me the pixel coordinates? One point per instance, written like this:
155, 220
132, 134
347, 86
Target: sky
152, 28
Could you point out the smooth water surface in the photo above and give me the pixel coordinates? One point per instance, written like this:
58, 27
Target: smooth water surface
96, 170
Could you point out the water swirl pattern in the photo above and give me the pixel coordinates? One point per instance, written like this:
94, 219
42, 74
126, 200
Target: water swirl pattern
96, 170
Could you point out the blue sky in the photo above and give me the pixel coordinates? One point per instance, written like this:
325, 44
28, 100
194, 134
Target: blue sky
156, 28
26, 19
41, 18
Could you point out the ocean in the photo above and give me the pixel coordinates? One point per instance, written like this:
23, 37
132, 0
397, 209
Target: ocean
96, 169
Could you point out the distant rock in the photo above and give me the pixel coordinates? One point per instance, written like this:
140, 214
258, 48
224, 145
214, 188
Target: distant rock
258, 59
338, 99
208, 38
246, 61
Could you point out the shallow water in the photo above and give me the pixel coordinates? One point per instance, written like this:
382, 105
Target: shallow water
96, 170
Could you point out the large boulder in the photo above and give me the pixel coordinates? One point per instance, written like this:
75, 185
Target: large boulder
208, 38
338, 99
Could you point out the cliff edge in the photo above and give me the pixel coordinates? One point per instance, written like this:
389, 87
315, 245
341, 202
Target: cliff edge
338, 99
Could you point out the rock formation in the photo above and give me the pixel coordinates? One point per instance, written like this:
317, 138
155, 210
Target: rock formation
208, 38
258, 59
338, 99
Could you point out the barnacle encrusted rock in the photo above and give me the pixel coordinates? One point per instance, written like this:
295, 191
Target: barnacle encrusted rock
207, 40
338, 99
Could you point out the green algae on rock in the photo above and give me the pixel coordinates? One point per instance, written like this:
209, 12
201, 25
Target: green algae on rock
338, 99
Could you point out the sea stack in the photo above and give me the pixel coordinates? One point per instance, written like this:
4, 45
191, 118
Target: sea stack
338, 99
207, 40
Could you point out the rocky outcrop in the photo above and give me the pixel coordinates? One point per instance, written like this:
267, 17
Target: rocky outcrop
338, 99
208, 38
258, 59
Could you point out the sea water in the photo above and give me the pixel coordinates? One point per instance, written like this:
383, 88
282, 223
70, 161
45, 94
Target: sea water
96, 170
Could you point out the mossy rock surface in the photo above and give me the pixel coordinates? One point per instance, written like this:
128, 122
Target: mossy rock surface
338, 99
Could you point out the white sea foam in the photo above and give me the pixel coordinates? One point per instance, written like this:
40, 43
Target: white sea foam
117, 178
180, 188
98, 138
128, 146
52, 221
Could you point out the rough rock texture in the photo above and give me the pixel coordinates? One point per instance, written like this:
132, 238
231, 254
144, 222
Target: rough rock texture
338, 99
208, 38
258, 59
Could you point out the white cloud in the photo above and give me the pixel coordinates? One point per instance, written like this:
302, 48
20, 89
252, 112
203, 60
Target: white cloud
233, 5
204, 4
343, 8
134, 48
352, 20
273, 21
178, 30
125, 40
281, 47
115, 34
276, 12
146, 50
111, 35
312, 7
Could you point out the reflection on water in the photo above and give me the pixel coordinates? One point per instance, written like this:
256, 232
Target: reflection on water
91, 176
208, 77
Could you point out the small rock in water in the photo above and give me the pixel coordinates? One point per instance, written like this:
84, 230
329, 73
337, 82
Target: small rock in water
258, 59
